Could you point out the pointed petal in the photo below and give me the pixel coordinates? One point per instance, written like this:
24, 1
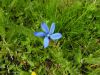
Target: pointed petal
55, 36
45, 27
52, 28
46, 42
39, 34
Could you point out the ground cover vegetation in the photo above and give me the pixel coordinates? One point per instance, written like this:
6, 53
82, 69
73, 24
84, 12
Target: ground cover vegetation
76, 53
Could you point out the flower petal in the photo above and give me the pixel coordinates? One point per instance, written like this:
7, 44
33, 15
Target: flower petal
40, 34
52, 28
33, 73
55, 36
45, 27
46, 42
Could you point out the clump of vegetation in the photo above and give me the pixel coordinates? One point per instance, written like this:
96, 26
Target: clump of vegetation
76, 53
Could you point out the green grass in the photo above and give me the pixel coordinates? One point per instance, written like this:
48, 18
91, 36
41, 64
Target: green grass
76, 53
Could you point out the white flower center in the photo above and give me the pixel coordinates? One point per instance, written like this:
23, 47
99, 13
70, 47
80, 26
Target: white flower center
48, 35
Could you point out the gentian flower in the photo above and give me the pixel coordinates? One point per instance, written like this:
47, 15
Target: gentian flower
48, 34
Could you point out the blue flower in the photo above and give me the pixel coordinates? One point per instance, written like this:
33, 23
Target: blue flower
48, 34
